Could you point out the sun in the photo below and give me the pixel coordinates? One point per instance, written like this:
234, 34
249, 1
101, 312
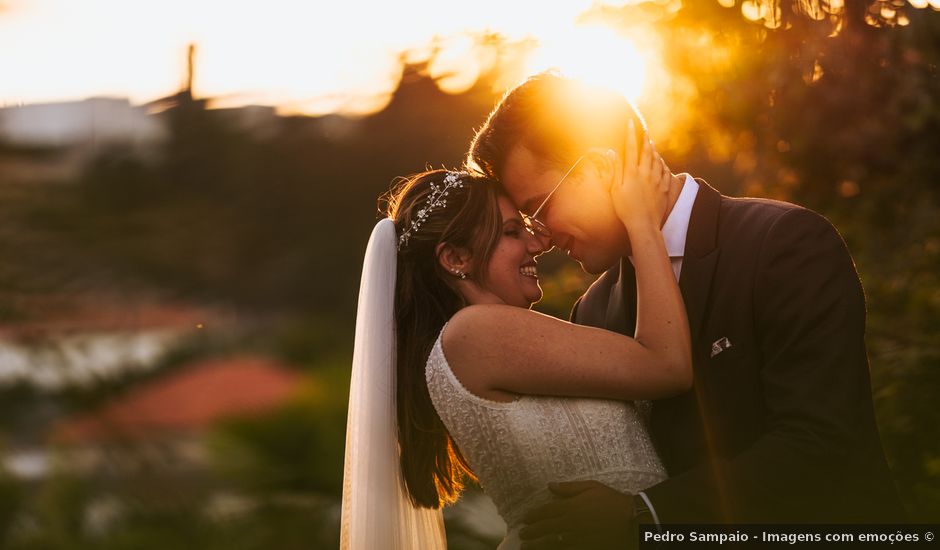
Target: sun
597, 55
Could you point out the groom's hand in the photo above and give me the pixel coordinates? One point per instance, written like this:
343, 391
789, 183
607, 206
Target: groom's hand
584, 514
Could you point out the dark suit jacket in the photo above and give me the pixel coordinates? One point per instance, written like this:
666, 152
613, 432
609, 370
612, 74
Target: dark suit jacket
779, 426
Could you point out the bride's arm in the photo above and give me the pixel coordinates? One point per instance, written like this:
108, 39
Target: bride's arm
509, 349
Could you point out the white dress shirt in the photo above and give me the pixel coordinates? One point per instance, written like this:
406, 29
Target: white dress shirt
676, 227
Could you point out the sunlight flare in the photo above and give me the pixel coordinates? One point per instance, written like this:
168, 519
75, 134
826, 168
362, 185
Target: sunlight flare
596, 55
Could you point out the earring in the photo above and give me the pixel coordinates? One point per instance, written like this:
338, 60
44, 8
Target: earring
460, 274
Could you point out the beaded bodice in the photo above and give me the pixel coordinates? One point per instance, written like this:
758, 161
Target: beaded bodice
517, 448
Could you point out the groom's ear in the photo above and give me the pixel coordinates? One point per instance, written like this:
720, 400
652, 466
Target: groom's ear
606, 164
453, 258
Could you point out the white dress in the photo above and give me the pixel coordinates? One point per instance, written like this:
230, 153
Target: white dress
517, 448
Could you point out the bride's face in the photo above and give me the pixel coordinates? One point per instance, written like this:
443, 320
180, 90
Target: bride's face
511, 273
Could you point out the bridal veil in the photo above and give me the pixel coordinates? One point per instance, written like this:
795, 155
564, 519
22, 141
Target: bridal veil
377, 512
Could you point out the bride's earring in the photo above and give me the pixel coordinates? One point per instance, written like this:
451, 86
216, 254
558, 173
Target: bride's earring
460, 274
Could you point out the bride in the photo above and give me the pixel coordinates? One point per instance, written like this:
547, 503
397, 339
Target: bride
454, 377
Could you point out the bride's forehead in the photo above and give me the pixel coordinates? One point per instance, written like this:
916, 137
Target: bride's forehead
507, 208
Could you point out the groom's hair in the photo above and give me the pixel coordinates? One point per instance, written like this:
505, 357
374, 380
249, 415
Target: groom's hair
555, 117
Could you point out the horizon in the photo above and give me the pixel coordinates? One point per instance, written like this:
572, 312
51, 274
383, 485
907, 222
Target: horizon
105, 49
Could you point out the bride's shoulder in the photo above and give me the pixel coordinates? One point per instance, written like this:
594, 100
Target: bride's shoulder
480, 320
476, 327
467, 323
473, 351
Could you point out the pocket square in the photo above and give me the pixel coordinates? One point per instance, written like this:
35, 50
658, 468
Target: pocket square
720, 345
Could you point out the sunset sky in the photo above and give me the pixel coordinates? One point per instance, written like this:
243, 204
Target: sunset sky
303, 56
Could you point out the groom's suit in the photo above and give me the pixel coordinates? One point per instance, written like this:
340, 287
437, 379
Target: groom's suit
780, 424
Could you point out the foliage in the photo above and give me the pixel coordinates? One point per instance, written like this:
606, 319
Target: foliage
297, 449
11, 496
846, 125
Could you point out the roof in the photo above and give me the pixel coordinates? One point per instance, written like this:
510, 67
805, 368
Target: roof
189, 399
62, 314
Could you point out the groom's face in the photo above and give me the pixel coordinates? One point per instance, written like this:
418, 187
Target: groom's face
579, 214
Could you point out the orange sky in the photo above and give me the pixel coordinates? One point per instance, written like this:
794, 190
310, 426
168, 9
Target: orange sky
304, 56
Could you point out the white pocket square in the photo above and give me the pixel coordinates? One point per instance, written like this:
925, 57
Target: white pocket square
720, 345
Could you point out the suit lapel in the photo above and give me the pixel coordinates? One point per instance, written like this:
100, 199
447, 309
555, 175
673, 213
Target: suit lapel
621, 307
701, 256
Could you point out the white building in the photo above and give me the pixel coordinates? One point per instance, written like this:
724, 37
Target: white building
92, 121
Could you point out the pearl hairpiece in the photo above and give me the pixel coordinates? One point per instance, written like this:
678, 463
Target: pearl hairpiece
437, 197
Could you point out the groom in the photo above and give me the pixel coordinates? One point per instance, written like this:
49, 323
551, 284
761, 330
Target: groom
780, 425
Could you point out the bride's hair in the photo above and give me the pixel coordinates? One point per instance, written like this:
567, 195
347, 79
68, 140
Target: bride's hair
425, 298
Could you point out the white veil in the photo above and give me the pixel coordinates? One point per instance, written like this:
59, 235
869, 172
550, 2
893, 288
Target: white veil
377, 512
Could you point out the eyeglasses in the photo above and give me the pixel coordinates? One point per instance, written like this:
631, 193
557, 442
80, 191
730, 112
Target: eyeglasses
535, 226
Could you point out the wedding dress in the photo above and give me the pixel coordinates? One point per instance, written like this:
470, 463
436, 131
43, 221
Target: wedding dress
516, 448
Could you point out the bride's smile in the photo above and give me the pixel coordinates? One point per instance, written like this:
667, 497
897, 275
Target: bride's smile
512, 273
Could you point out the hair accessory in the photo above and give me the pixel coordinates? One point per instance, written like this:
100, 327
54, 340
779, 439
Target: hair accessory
435, 199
